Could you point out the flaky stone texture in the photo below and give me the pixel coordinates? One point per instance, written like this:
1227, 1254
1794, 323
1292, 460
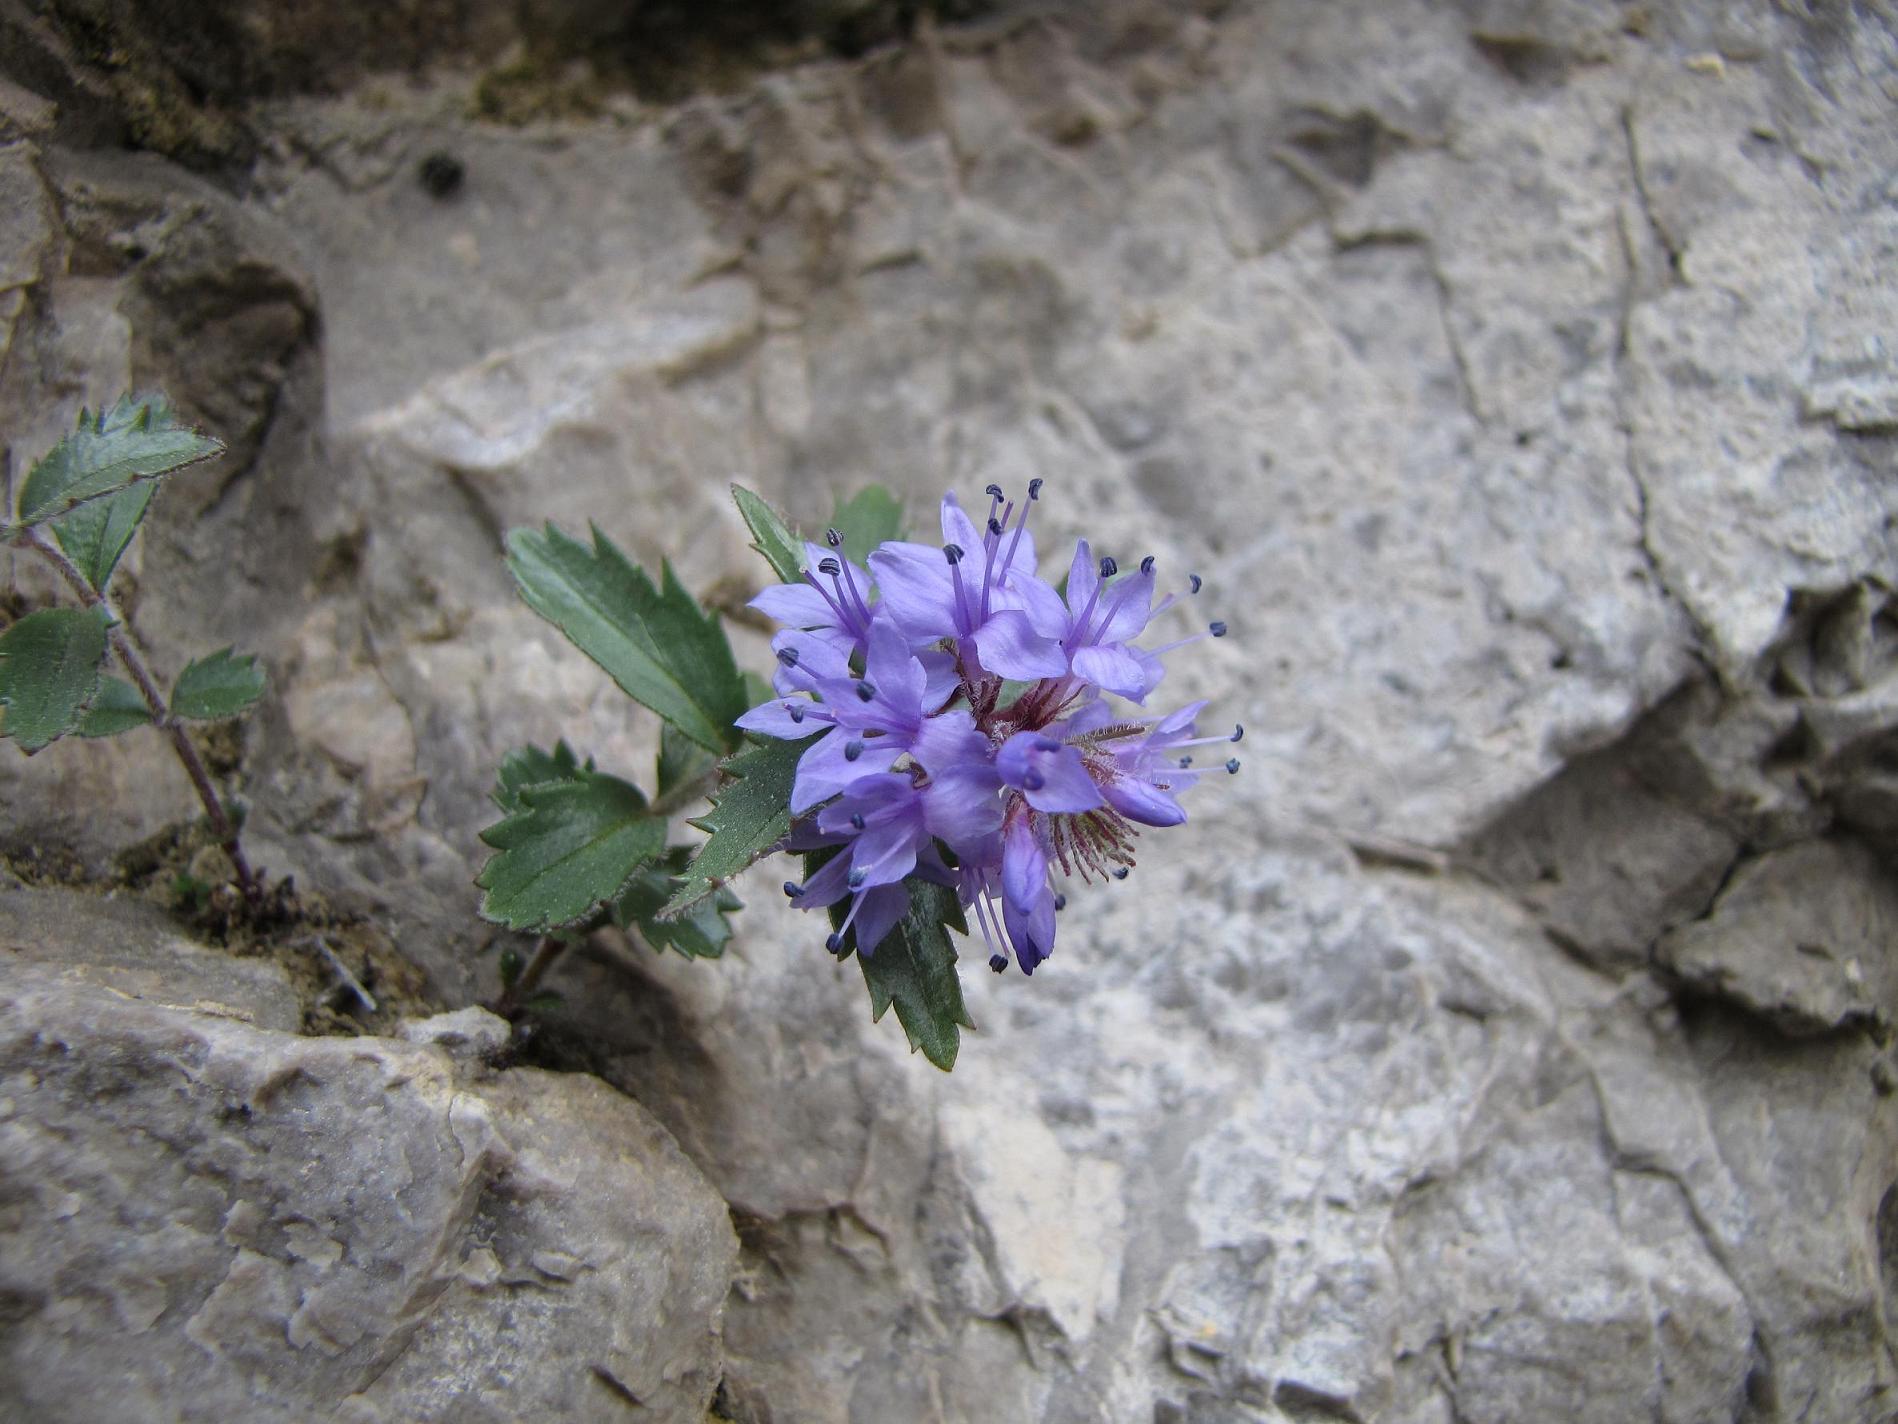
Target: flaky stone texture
210, 1220
1508, 1040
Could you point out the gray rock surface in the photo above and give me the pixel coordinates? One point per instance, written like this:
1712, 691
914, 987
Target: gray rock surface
208, 1219
1518, 374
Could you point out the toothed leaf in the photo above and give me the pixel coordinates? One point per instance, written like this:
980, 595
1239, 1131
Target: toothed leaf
117, 708
95, 534
570, 849
49, 674
749, 816
140, 438
700, 933
660, 647
771, 535
914, 969
681, 760
530, 766
219, 685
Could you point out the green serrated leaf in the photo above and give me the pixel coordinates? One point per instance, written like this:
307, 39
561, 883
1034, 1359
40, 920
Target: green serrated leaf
700, 933
140, 438
870, 517
771, 535
95, 534
117, 708
530, 766
570, 849
49, 673
219, 685
681, 760
658, 644
914, 968
749, 816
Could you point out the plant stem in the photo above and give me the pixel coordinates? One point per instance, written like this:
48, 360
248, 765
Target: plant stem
221, 824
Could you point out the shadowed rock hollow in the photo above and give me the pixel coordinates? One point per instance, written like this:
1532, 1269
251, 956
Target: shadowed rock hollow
1509, 1040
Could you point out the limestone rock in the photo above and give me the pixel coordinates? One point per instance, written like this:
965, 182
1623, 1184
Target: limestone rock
292, 1228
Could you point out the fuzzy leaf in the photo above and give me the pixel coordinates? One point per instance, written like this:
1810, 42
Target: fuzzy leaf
660, 647
914, 968
771, 535
117, 708
681, 760
749, 816
570, 849
219, 685
95, 534
49, 674
140, 438
870, 517
530, 766
700, 933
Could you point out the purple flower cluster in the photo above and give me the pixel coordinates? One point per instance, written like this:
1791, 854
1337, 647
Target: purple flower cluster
961, 704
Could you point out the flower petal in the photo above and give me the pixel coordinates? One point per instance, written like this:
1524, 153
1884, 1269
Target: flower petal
1113, 669
824, 770
950, 740
796, 605
961, 806
1009, 645
892, 669
1142, 801
786, 718
882, 907
958, 528
917, 592
940, 679
1083, 578
1024, 865
1046, 612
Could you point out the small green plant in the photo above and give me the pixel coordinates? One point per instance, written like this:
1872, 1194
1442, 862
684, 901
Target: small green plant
78, 509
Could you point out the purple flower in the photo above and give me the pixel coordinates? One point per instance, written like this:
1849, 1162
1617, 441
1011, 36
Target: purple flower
923, 757
974, 589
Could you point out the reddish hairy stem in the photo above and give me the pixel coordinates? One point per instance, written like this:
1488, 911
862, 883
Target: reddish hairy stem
221, 825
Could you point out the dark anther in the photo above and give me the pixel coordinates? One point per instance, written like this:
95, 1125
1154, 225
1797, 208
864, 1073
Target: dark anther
1047, 744
835, 944
829, 566
1232, 765
1216, 628
1108, 567
995, 525
993, 491
852, 750
1061, 902
1033, 781
1195, 580
792, 889
788, 656
1034, 489
857, 877
997, 963
856, 820
865, 691
797, 713
952, 552
1121, 874
1186, 761
1238, 732
1146, 565
834, 538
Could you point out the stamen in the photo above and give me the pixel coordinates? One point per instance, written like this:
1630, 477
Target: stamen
1047, 744
1216, 628
797, 713
843, 618
995, 526
1033, 781
1146, 565
1034, 489
835, 943
788, 656
1195, 580
1186, 761
867, 693
829, 566
1108, 567
1034, 493
856, 820
852, 750
994, 492
834, 538
997, 963
1120, 872
1232, 765
1060, 903
953, 553
857, 877
793, 890
1238, 732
